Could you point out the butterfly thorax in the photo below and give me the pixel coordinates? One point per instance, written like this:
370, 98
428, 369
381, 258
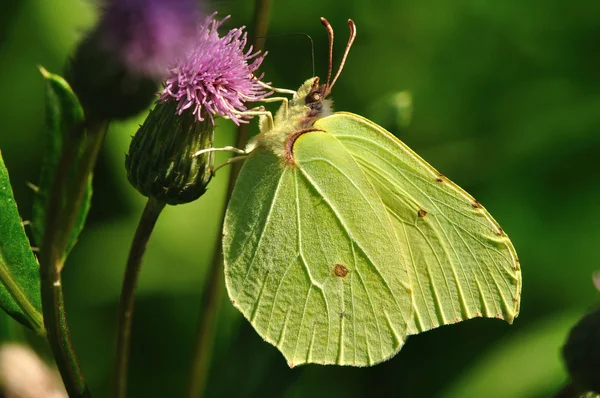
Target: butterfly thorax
307, 106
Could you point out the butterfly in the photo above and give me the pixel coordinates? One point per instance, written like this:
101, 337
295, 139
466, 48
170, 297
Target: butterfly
339, 241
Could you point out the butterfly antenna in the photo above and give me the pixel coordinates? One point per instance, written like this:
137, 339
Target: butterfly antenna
330, 34
312, 53
350, 41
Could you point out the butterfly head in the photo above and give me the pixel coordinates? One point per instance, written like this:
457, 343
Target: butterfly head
312, 94
308, 104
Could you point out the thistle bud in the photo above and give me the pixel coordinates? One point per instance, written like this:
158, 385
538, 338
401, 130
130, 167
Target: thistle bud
162, 163
582, 352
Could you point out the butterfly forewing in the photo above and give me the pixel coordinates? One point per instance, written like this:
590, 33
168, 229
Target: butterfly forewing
461, 263
312, 259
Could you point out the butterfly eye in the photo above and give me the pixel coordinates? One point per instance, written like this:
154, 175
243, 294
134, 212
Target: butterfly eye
313, 97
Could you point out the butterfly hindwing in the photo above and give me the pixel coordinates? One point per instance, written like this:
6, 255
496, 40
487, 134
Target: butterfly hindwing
311, 257
461, 263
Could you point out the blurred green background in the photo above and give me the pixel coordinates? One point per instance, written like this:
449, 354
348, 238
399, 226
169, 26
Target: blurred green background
506, 102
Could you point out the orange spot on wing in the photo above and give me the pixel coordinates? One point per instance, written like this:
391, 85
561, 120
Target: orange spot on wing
340, 270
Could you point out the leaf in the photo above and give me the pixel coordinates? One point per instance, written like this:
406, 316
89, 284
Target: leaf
64, 119
19, 271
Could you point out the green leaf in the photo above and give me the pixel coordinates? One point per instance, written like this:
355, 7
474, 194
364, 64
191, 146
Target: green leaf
19, 271
64, 119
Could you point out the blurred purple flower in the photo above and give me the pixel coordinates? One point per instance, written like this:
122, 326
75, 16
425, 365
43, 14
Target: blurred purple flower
149, 35
216, 77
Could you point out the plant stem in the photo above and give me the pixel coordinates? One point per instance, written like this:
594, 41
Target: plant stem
126, 306
58, 336
213, 287
206, 328
60, 219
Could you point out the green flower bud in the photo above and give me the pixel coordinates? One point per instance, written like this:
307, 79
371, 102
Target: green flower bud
582, 352
162, 163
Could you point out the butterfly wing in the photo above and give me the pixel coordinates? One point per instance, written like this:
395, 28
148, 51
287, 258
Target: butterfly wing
461, 263
311, 257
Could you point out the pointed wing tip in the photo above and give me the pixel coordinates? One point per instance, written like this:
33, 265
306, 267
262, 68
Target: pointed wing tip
512, 318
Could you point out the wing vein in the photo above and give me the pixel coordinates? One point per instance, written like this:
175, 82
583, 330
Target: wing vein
264, 228
372, 309
352, 239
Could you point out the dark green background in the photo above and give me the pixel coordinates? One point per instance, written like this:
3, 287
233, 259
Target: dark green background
506, 103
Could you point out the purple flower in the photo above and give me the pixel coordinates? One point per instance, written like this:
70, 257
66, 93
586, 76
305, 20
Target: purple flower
149, 35
216, 77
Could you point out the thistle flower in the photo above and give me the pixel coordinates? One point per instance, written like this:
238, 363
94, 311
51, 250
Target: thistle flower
116, 69
217, 77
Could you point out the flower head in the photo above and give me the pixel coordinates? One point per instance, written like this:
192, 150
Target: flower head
149, 35
217, 77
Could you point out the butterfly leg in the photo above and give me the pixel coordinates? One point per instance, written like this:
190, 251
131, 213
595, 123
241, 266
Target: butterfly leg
284, 104
275, 99
277, 90
258, 111
224, 149
252, 112
229, 161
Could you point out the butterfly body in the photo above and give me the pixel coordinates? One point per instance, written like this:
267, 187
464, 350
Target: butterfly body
307, 105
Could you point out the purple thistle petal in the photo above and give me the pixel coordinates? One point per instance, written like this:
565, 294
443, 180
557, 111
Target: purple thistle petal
215, 77
148, 35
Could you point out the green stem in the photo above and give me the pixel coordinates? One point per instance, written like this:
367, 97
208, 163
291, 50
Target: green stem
60, 219
213, 286
57, 330
126, 306
206, 328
